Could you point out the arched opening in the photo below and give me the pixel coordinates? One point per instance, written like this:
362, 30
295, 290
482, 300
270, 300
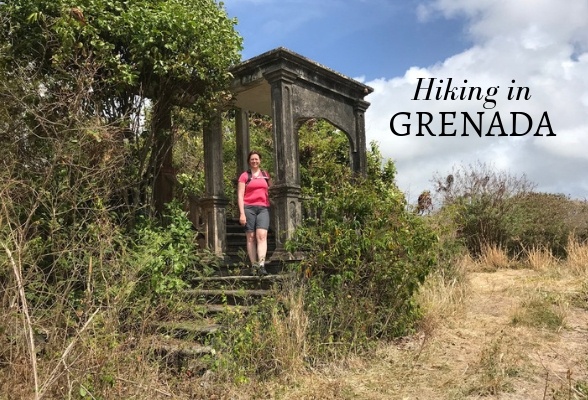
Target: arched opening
324, 153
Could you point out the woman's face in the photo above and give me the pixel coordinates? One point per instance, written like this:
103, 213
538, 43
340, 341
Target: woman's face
254, 161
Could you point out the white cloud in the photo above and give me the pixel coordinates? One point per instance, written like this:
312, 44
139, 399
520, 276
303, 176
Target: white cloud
542, 45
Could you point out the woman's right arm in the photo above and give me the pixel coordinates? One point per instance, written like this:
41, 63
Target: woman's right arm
241, 202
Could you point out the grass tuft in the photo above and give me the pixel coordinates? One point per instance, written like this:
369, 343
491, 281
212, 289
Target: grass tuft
493, 257
577, 256
540, 258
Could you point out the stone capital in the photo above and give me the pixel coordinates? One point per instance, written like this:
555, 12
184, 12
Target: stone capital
361, 105
213, 202
280, 75
282, 190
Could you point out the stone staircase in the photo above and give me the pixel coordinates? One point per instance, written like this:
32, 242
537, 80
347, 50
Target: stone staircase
187, 344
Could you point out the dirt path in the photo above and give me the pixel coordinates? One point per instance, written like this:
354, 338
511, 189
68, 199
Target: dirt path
479, 352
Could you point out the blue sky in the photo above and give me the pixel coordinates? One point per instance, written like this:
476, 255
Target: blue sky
371, 38
390, 44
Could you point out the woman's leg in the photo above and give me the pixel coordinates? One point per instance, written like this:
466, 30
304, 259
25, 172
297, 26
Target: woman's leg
262, 226
261, 238
251, 247
250, 217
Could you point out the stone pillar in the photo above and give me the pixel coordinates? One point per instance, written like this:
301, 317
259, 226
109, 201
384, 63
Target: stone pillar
214, 203
285, 191
242, 139
163, 185
358, 156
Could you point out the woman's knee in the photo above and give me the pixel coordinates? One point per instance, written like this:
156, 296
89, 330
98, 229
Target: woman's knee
261, 235
251, 237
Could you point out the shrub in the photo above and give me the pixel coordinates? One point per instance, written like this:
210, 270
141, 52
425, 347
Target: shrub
493, 208
477, 197
366, 255
168, 255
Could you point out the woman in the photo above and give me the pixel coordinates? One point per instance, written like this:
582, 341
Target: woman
253, 200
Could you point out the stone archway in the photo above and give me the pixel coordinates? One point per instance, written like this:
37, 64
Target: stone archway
289, 88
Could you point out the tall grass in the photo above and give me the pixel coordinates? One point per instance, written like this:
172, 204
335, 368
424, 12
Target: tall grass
577, 256
493, 257
442, 295
291, 328
540, 258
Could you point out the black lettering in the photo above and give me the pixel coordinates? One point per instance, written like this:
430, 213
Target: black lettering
545, 124
428, 89
514, 123
477, 128
496, 123
407, 126
444, 123
423, 124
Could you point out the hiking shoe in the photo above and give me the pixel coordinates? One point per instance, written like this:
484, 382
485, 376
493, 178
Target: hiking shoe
255, 269
262, 271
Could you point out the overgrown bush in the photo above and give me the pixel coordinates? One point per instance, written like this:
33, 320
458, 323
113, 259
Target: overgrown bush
477, 198
70, 265
365, 256
545, 220
165, 252
493, 208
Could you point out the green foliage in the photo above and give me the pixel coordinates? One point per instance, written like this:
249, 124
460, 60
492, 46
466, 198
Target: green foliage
150, 45
546, 221
165, 253
324, 157
366, 255
492, 208
111, 61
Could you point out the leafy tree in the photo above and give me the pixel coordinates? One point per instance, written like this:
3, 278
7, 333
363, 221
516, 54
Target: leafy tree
171, 52
86, 93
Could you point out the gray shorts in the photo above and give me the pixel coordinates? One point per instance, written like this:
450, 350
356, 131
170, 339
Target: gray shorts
257, 217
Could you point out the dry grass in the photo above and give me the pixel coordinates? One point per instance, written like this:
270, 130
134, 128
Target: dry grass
577, 259
290, 332
442, 295
540, 259
494, 368
487, 332
493, 258
542, 310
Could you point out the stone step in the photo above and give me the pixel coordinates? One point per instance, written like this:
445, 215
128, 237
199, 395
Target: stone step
192, 330
229, 296
214, 309
234, 281
184, 344
180, 355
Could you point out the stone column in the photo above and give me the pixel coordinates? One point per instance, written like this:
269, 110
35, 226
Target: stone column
214, 203
285, 191
358, 156
163, 185
242, 139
